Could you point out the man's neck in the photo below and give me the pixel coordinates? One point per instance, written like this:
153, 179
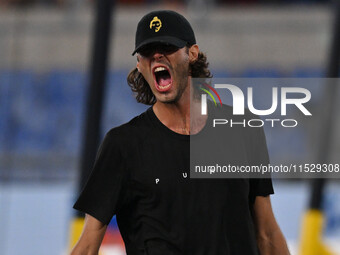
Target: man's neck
183, 116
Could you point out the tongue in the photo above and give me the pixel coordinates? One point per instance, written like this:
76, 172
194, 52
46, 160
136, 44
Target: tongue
164, 81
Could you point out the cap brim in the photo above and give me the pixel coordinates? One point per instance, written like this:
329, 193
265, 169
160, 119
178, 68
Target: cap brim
161, 40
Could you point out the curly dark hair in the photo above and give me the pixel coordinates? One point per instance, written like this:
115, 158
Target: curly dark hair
143, 93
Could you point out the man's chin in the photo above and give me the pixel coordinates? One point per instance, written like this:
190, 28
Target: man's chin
170, 97
167, 100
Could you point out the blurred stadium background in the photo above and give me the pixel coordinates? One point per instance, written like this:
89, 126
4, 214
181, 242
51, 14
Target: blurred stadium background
45, 50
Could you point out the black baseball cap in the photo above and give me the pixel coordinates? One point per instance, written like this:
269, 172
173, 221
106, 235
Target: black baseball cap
165, 27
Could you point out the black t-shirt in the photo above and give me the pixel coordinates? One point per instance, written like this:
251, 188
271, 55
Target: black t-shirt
141, 174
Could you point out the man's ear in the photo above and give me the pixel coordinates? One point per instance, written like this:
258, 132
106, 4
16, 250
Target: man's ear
137, 65
193, 53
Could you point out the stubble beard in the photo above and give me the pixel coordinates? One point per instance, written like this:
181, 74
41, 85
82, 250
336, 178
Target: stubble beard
182, 85
183, 82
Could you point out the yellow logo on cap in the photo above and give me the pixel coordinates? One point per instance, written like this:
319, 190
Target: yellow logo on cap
156, 24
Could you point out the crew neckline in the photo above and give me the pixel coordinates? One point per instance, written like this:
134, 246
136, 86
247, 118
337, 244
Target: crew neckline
168, 131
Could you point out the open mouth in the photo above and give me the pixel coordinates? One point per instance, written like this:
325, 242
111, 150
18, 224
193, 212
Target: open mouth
163, 78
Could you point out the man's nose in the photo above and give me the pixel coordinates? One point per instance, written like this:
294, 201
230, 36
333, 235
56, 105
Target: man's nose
157, 55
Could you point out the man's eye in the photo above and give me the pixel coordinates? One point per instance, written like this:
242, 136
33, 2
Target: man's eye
169, 49
145, 53
164, 49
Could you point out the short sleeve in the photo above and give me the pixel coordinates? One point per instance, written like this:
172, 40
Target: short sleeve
259, 156
104, 191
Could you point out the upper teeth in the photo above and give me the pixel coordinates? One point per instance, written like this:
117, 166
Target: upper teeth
158, 69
